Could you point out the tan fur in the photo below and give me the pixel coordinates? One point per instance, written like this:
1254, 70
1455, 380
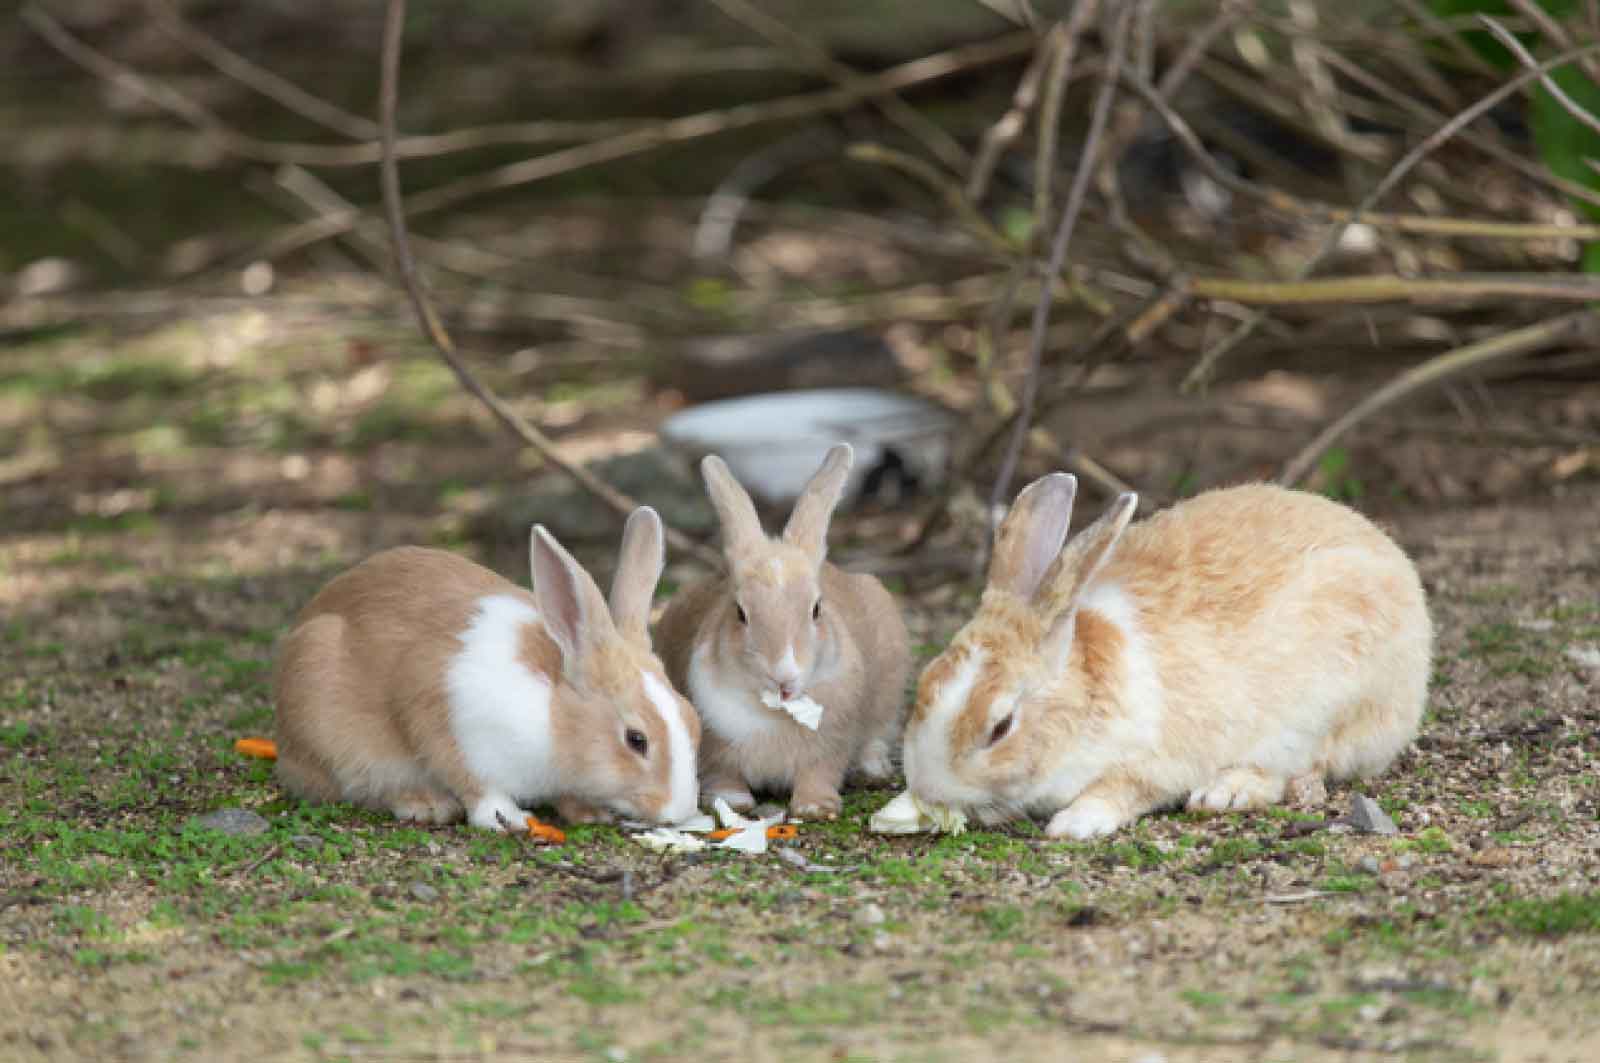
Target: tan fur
854, 659
364, 715
1249, 604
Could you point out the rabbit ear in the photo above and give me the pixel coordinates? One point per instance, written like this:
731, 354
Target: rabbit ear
570, 605
638, 571
741, 527
1073, 571
808, 524
1031, 534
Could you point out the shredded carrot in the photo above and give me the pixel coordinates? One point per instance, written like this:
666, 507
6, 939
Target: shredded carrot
260, 748
545, 832
718, 835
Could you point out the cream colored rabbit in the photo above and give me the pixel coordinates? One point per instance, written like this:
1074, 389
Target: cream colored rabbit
423, 684
760, 650
1226, 647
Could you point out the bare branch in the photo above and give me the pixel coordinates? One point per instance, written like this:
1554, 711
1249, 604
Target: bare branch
1570, 105
1506, 345
660, 134
278, 89
943, 146
1058, 251
1044, 167
1207, 363
1005, 131
433, 328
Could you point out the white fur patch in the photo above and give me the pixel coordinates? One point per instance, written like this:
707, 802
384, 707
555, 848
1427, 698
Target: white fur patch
499, 708
735, 716
927, 745
685, 784
1087, 817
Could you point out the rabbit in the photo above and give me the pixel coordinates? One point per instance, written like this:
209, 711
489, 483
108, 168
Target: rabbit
420, 683
785, 626
1246, 642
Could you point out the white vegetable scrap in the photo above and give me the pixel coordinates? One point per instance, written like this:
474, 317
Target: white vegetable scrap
806, 713
668, 840
749, 835
907, 815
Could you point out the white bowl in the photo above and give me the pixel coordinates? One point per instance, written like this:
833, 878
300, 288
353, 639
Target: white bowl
774, 442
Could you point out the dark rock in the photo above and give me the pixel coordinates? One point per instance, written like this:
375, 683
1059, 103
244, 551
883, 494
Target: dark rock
423, 892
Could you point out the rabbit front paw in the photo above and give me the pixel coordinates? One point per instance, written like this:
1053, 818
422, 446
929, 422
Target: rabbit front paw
816, 805
1237, 789
1085, 818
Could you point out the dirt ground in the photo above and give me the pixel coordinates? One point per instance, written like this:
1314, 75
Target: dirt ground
167, 510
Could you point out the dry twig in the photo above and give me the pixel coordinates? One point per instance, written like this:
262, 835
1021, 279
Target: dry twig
1506, 345
1058, 252
1207, 363
433, 328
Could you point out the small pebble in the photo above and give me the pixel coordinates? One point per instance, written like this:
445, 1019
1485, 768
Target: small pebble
1366, 815
617, 1054
424, 892
1370, 865
871, 915
305, 841
239, 822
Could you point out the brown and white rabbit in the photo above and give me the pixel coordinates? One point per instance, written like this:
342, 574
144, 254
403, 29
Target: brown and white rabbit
1241, 641
781, 627
421, 683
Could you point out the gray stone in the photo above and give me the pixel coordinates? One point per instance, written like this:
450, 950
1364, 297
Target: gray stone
423, 892
305, 841
1365, 815
1369, 864
871, 915
239, 822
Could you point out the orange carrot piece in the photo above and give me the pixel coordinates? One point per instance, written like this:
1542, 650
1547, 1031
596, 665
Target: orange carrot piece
545, 832
260, 748
780, 832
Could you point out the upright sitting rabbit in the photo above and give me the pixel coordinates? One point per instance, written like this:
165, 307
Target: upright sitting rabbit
1241, 641
421, 683
759, 650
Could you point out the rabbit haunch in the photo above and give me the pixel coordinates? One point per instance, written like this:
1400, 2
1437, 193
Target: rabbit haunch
1239, 642
421, 683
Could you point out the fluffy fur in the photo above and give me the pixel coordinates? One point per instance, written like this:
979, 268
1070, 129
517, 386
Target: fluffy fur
785, 621
425, 685
1240, 643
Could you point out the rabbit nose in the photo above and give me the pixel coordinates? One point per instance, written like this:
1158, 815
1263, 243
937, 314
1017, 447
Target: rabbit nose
786, 691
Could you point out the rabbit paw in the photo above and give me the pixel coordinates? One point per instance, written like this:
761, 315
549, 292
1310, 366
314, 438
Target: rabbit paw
1237, 789
498, 812
816, 806
876, 766
425, 806
575, 810
1087, 817
1307, 791
739, 798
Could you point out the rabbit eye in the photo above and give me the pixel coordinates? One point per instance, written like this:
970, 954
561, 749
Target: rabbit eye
637, 741
740, 610
816, 610
1002, 728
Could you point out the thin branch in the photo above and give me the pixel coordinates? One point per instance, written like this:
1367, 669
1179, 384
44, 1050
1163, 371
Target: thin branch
246, 146
1044, 166
1510, 344
1570, 105
673, 131
1058, 252
1207, 363
433, 328
943, 146
1387, 288
1000, 136
1227, 17
278, 89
